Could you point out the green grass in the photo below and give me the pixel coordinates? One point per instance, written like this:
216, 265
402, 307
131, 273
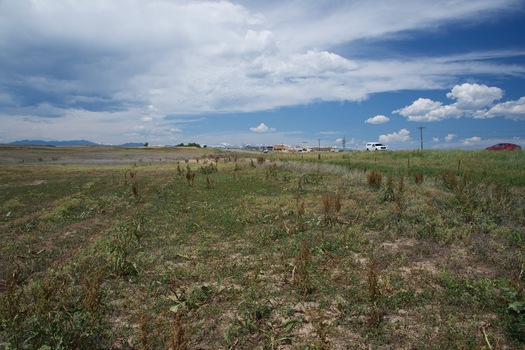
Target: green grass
291, 253
504, 167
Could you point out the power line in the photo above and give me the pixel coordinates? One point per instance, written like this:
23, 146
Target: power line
421, 135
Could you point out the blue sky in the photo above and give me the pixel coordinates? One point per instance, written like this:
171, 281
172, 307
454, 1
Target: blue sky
264, 72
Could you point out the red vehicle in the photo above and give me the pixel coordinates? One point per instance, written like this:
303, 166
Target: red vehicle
504, 147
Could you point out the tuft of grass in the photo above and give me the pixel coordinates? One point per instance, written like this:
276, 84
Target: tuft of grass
450, 180
122, 239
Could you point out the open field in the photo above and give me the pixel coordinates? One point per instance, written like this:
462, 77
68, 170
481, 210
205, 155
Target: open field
112, 248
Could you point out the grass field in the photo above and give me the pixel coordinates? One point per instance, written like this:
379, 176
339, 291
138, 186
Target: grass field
112, 248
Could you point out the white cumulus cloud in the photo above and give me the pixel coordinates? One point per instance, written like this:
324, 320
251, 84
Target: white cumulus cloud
262, 128
378, 119
474, 96
402, 136
450, 137
426, 110
472, 100
471, 140
514, 110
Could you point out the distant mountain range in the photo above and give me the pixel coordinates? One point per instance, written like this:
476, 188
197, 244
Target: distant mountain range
67, 143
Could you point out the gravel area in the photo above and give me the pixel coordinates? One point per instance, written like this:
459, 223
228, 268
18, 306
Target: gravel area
99, 155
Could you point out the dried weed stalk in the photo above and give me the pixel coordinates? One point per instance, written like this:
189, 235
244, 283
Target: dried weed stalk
180, 337
374, 179
300, 273
374, 294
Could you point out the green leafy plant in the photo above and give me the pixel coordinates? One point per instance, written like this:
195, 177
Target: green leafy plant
190, 300
387, 193
208, 169
122, 239
516, 327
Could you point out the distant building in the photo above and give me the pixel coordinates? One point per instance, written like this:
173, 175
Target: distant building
281, 148
299, 149
321, 149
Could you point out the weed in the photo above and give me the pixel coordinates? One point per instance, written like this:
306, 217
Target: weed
516, 326
190, 300
92, 294
399, 198
179, 338
374, 179
54, 316
337, 201
449, 180
313, 178
251, 320
388, 194
190, 177
301, 269
322, 329
374, 294
135, 189
331, 204
122, 239
131, 174
271, 171
145, 332
466, 178
327, 209
300, 212
208, 169
418, 177
11, 311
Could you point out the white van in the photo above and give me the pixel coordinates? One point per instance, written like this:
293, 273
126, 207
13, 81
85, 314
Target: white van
375, 146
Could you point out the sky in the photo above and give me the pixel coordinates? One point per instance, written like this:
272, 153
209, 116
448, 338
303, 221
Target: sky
165, 72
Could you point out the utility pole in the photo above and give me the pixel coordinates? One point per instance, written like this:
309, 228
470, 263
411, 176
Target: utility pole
319, 149
344, 143
421, 135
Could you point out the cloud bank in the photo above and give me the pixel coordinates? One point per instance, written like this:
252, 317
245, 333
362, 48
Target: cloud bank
122, 68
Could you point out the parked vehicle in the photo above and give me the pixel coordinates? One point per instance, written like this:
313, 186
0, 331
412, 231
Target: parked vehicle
375, 146
504, 147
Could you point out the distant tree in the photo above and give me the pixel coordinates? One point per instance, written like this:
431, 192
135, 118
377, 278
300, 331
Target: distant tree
146, 144
191, 144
